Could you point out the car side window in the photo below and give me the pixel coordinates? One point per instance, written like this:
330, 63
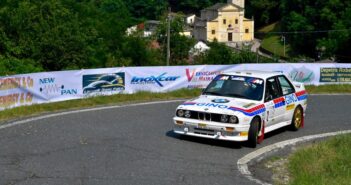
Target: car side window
287, 87
272, 90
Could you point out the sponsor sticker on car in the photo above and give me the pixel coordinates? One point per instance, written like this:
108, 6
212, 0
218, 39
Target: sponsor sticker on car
202, 125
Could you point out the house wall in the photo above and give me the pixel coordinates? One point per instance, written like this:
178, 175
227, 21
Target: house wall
229, 26
240, 3
217, 28
200, 33
186, 33
190, 19
248, 36
212, 26
208, 14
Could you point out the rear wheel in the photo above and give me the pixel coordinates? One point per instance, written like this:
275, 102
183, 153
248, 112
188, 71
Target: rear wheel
297, 119
253, 132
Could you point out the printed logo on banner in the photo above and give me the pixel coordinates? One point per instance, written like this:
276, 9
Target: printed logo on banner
335, 74
158, 80
114, 82
16, 82
302, 74
9, 98
14, 99
197, 76
48, 86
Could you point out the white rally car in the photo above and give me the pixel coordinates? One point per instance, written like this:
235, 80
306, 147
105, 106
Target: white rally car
243, 106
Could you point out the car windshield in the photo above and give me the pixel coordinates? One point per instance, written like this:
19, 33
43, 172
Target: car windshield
236, 87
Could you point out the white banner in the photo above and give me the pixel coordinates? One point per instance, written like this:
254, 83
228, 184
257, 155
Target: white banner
36, 88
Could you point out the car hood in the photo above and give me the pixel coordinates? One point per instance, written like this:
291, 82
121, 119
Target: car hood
223, 105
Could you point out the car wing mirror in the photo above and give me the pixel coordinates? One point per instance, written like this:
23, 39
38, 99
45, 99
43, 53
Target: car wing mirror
268, 98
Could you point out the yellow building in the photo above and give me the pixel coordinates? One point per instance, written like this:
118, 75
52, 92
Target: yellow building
224, 22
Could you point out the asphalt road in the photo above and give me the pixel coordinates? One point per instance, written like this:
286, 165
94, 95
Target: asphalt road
135, 145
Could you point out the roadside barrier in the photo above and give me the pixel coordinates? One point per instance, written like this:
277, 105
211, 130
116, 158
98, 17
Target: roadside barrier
45, 87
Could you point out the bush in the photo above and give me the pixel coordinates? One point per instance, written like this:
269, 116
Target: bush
10, 66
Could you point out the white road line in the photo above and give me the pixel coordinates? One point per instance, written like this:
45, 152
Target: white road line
11, 124
333, 94
243, 162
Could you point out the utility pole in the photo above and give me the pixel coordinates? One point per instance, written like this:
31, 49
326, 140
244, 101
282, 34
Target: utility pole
283, 39
168, 36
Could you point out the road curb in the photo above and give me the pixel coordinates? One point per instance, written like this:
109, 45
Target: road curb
260, 153
332, 94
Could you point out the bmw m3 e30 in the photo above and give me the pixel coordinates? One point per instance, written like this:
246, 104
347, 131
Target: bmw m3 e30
243, 106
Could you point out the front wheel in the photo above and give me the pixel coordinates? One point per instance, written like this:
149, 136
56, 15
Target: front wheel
297, 120
253, 132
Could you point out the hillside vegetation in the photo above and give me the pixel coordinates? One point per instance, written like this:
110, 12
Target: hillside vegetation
50, 35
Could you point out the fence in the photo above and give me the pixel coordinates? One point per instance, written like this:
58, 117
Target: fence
36, 88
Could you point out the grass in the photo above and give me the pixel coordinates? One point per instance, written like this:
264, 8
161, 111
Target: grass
273, 42
274, 159
324, 89
33, 110
269, 28
328, 162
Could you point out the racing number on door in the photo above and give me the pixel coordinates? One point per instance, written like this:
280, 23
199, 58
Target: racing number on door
269, 112
272, 93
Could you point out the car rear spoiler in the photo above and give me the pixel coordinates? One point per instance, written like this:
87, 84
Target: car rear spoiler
299, 86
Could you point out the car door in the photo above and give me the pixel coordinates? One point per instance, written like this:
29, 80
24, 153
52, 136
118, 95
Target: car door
288, 92
274, 102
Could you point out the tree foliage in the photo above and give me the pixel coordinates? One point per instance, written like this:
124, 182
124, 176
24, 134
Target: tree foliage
219, 53
74, 34
313, 18
64, 34
192, 6
146, 9
180, 45
263, 11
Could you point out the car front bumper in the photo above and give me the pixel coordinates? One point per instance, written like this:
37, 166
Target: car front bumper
211, 130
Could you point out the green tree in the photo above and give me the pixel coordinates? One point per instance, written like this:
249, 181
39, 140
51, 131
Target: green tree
263, 11
138, 50
192, 6
314, 18
146, 9
218, 54
11, 66
62, 34
180, 45
40, 31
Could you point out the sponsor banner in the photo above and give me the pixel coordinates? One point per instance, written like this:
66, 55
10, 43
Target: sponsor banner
9, 83
335, 75
309, 74
154, 79
15, 100
27, 89
201, 76
16, 91
57, 86
39, 88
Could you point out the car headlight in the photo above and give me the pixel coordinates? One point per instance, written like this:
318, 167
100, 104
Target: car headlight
187, 114
224, 118
233, 119
180, 113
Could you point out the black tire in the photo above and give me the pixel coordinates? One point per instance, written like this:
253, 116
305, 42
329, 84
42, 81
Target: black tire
253, 132
297, 119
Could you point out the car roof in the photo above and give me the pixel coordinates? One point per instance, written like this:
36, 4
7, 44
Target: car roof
253, 73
